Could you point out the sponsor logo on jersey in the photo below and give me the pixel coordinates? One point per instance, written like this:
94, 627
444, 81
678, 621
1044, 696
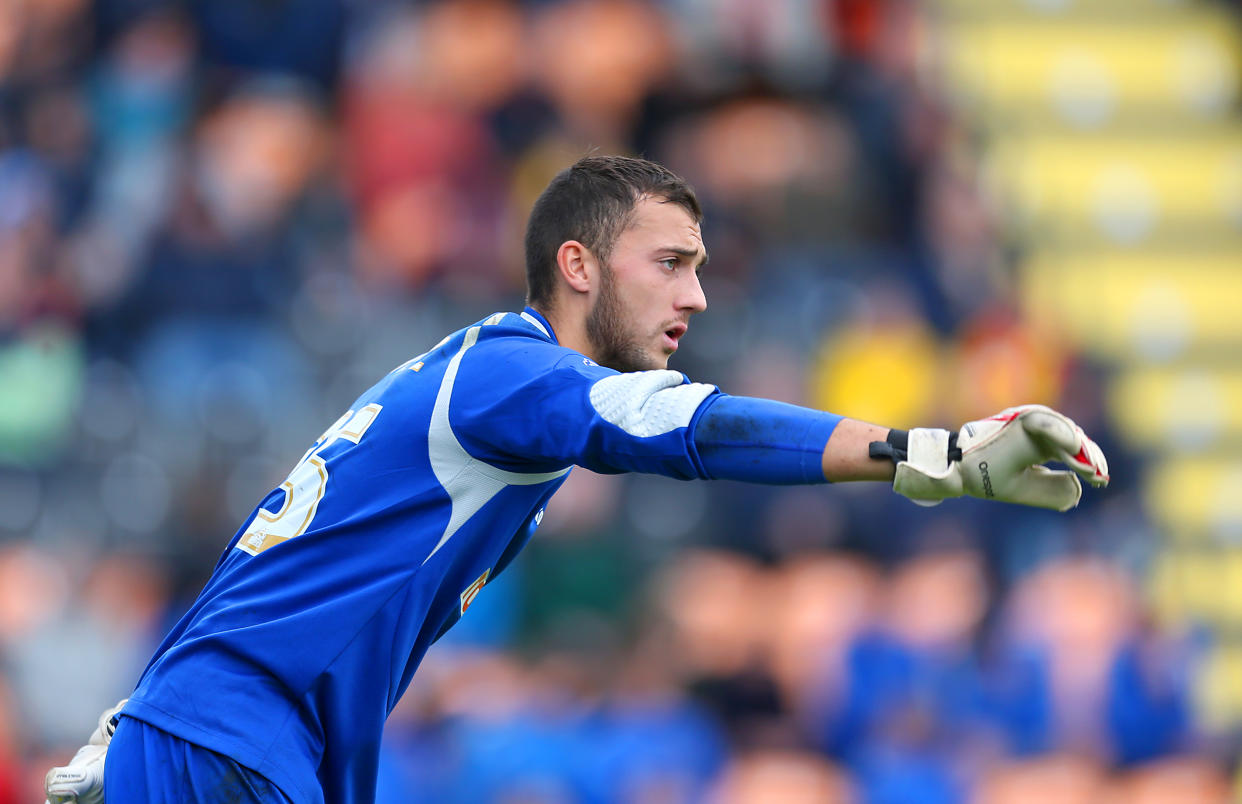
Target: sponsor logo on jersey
468, 596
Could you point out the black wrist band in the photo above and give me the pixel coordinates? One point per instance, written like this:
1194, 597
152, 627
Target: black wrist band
895, 447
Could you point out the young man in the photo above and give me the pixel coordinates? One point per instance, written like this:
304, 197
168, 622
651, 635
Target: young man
276, 684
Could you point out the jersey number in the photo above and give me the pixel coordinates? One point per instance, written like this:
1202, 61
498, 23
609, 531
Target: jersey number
304, 487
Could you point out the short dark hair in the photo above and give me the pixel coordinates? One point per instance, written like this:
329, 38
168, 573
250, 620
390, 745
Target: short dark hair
592, 201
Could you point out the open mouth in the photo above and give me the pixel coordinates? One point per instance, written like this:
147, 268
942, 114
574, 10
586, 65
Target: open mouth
673, 334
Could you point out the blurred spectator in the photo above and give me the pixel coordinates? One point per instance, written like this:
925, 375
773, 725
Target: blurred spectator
884, 364
999, 357
786, 776
1186, 780
141, 97
1065, 779
716, 605
40, 353
203, 311
597, 60
801, 180
727, 43
822, 604
1081, 674
44, 42
649, 743
910, 714
420, 157
295, 38
961, 233
555, 731
580, 568
40, 383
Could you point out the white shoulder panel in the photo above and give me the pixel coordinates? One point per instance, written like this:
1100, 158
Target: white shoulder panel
470, 483
648, 403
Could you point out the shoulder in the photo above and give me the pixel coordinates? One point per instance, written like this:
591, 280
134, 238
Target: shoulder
514, 341
511, 329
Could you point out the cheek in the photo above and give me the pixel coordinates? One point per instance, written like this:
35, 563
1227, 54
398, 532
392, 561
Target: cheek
641, 303
648, 309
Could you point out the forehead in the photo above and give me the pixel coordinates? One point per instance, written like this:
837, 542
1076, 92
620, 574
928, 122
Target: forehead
657, 219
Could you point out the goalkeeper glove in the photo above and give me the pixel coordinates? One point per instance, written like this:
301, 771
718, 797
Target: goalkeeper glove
82, 780
998, 458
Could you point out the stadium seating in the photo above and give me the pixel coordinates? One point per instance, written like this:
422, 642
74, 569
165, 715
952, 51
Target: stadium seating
1090, 71
1113, 143
1138, 306
1124, 189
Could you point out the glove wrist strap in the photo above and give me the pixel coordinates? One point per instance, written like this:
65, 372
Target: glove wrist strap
897, 447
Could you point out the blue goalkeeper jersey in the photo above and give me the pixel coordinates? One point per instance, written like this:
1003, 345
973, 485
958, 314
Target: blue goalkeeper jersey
325, 601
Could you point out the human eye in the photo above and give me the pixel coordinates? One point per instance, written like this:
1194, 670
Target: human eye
670, 263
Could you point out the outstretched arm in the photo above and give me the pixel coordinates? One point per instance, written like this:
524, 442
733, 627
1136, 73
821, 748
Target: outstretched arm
847, 455
999, 458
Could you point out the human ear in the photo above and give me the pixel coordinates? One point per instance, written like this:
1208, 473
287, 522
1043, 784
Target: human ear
576, 264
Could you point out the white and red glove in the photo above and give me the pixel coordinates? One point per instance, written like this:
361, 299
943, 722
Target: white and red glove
998, 458
82, 780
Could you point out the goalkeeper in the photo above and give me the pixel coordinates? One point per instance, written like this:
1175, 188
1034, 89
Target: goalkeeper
276, 684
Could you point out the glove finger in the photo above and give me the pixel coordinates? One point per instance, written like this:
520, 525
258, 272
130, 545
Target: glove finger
1100, 476
1052, 432
1088, 461
1066, 442
1042, 487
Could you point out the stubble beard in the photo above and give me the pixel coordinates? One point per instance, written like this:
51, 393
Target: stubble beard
606, 328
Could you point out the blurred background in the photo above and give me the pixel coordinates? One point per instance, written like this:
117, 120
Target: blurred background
222, 220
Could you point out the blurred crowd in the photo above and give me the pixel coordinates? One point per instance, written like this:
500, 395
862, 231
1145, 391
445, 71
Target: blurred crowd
220, 221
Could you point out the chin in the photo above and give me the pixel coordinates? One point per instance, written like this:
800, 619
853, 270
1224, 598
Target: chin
631, 364
631, 357
657, 361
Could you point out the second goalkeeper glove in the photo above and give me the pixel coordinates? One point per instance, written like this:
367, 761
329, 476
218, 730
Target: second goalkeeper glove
82, 780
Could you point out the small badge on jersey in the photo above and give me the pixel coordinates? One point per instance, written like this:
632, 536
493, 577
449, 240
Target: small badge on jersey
472, 591
586, 361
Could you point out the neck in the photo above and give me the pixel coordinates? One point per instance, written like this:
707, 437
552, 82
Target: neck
569, 324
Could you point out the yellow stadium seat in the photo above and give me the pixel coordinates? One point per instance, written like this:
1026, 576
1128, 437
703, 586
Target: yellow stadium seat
1219, 687
1200, 584
851, 370
1185, 407
1055, 8
1183, 585
1138, 305
1198, 493
1124, 190
1095, 71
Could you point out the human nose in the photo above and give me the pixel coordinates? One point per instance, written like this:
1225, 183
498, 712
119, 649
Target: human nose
693, 298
